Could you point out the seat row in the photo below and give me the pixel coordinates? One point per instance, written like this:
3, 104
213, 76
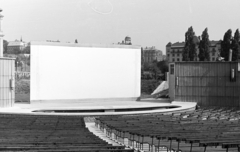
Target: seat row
205, 129
50, 133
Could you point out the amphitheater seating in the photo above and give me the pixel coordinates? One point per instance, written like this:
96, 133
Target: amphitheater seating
210, 129
50, 133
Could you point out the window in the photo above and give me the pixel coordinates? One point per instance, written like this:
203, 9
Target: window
173, 54
178, 59
168, 55
178, 54
213, 59
213, 53
173, 60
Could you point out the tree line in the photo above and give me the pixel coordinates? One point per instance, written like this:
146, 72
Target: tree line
155, 69
192, 42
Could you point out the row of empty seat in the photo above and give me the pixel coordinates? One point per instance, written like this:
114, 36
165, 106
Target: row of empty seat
210, 129
50, 133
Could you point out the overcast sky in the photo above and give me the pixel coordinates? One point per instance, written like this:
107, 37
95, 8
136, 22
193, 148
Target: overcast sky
147, 22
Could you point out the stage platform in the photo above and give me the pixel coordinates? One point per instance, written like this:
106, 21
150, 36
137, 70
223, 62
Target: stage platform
93, 108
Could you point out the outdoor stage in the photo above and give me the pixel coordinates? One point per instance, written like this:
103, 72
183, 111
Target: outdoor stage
91, 108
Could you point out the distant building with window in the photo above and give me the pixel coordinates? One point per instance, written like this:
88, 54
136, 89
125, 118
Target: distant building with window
214, 50
151, 54
13, 45
174, 51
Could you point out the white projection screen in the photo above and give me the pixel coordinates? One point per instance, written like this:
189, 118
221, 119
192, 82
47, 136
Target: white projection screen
66, 72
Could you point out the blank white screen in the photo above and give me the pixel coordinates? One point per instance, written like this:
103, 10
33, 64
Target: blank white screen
84, 72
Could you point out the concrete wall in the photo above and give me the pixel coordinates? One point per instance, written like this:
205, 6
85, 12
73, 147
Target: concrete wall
207, 83
7, 82
84, 72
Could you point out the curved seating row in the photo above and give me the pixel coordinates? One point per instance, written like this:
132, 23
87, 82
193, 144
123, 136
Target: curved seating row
205, 129
50, 133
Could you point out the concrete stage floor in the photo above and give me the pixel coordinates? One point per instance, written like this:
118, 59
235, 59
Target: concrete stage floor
99, 108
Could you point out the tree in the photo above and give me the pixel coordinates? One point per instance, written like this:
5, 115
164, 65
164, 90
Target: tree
204, 47
76, 41
163, 66
154, 68
235, 46
18, 62
190, 51
16, 51
5, 44
28, 61
146, 66
26, 50
226, 45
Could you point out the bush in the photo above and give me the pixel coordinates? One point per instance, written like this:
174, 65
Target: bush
148, 86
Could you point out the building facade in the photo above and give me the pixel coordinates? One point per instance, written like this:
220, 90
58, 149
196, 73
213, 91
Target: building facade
174, 51
16, 45
151, 54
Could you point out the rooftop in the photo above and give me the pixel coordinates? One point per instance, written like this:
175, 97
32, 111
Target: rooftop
214, 43
169, 44
178, 44
15, 43
181, 44
150, 49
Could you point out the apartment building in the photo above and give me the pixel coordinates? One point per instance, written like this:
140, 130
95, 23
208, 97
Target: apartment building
174, 51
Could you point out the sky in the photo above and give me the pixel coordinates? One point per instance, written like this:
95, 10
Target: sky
147, 22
